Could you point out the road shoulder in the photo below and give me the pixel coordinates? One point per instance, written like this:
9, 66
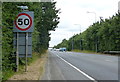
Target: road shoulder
34, 72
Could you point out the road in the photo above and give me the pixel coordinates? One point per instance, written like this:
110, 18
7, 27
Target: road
80, 66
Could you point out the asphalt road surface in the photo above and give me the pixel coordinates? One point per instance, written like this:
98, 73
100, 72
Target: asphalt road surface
80, 66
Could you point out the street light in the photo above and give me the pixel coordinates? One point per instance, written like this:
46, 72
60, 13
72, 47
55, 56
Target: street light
80, 38
97, 37
73, 42
94, 14
119, 7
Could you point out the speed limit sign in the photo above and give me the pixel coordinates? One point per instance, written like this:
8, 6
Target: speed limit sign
24, 22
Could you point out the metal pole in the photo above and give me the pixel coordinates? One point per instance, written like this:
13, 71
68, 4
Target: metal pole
80, 44
119, 7
72, 43
26, 51
97, 38
80, 35
94, 14
96, 45
17, 53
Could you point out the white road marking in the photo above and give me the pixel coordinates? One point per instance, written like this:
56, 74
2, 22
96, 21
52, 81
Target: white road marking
77, 69
108, 60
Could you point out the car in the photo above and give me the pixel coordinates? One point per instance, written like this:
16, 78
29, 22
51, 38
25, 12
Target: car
62, 49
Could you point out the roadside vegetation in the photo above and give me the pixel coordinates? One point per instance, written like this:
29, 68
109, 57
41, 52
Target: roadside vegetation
104, 35
83, 51
35, 68
45, 20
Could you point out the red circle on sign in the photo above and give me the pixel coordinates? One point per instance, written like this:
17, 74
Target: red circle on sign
28, 26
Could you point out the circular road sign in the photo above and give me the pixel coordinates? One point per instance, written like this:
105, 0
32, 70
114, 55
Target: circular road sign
23, 22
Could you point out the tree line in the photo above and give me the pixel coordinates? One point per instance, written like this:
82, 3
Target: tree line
104, 35
45, 20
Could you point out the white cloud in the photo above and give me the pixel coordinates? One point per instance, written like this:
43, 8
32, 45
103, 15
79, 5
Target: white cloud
74, 12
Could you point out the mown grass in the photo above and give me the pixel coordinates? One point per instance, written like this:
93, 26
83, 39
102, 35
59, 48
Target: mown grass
92, 52
84, 51
9, 73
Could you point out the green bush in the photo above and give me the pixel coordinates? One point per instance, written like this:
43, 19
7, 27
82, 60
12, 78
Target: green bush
44, 21
105, 34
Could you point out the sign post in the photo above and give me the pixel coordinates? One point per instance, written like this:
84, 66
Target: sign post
17, 54
23, 28
26, 51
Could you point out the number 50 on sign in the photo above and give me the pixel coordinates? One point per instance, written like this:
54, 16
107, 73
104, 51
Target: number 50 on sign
24, 22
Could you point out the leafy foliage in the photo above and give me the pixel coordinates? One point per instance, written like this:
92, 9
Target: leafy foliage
101, 36
46, 19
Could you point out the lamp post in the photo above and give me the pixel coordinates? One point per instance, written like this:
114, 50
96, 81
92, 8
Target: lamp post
119, 7
80, 38
94, 14
96, 41
73, 42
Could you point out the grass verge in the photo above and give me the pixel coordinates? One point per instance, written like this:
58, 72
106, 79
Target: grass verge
9, 73
84, 51
92, 52
35, 69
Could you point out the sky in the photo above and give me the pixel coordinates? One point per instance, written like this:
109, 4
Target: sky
75, 19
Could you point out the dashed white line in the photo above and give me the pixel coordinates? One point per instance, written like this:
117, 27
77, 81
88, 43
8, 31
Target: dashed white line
91, 78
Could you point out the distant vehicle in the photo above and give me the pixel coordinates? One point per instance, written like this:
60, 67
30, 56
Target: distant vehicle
57, 49
54, 49
62, 49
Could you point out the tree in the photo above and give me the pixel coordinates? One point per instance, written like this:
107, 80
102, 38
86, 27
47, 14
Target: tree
45, 19
101, 36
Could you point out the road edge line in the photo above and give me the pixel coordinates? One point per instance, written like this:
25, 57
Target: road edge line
77, 69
